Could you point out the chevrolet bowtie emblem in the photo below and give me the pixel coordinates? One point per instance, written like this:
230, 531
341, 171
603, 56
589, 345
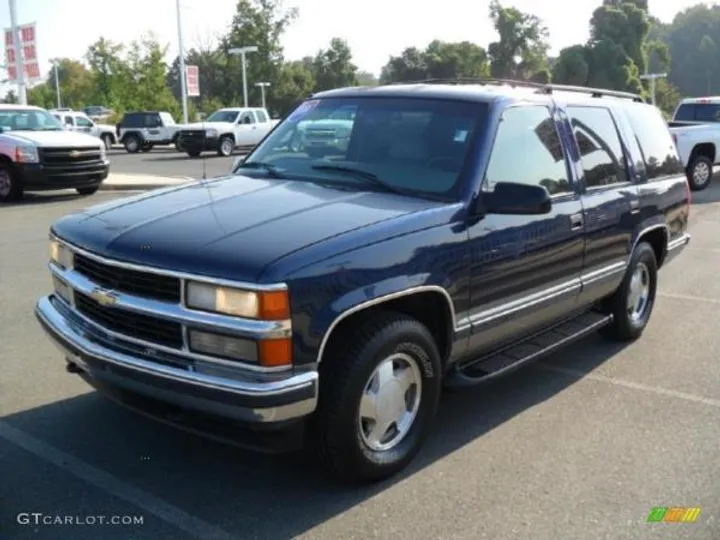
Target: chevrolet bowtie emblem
104, 297
74, 154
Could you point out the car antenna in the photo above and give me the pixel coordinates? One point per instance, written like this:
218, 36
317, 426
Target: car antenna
204, 157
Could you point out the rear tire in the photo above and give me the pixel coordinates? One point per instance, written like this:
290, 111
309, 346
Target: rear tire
633, 302
699, 172
379, 395
11, 188
132, 144
87, 190
107, 141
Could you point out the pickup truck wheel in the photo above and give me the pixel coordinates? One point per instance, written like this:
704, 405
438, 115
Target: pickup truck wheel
226, 145
107, 141
132, 143
633, 302
11, 188
700, 172
378, 398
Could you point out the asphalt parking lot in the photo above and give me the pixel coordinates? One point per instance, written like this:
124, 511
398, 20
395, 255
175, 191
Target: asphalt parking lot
580, 446
169, 162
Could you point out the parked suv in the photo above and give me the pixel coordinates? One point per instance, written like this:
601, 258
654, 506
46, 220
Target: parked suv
140, 131
462, 231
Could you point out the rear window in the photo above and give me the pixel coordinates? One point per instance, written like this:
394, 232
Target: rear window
419, 146
652, 134
698, 112
133, 120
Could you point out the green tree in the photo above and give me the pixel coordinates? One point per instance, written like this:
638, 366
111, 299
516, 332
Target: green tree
707, 60
365, 78
149, 90
76, 83
333, 67
296, 83
522, 49
572, 66
259, 23
110, 74
211, 64
440, 60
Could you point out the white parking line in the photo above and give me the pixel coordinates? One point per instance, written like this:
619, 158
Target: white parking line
632, 385
688, 297
114, 486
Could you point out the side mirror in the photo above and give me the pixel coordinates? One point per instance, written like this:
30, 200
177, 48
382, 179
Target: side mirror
517, 199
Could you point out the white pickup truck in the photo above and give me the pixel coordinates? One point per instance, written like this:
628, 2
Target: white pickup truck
80, 122
226, 129
695, 128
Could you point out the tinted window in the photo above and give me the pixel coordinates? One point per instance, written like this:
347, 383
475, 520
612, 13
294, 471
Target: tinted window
415, 145
69, 121
601, 152
685, 113
652, 134
262, 117
707, 112
527, 150
133, 120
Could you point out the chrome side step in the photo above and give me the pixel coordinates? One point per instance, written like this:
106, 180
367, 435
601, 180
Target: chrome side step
486, 368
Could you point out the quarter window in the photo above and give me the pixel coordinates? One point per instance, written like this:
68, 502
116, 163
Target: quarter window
601, 151
528, 150
658, 149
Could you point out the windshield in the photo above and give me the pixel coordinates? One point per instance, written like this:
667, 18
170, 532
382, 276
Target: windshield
416, 146
28, 120
223, 116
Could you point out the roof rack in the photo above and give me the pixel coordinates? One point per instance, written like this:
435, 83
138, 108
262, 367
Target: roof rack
544, 88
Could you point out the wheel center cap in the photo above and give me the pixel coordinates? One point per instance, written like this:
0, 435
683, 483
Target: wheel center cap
391, 401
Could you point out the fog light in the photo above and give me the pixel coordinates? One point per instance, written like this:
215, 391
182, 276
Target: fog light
61, 255
63, 290
223, 346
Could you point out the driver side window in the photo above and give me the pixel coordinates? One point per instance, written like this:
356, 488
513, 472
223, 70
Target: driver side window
527, 150
84, 122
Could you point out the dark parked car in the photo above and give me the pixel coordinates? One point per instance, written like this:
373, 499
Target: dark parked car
460, 232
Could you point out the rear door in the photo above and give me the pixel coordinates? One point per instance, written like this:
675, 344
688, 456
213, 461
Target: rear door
611, 203
247, 129
525, 271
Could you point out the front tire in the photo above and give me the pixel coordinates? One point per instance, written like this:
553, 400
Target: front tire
11, 188
633, 302
699, 172
378, 398
226, 145
107, 141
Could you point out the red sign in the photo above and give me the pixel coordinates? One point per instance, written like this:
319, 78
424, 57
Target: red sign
29, 52
192, 80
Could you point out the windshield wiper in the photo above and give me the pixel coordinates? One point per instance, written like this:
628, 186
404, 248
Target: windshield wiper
365, 176
269, 167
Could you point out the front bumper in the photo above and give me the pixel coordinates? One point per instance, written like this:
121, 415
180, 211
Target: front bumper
38, 177
195, 144
155, 389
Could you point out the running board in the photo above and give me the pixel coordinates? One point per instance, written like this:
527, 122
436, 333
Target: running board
486, 368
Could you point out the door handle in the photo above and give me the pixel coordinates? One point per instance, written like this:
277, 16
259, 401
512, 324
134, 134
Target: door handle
634, 206
576, 222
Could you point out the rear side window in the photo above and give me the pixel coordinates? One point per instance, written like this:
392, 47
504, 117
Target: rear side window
685, 113
652, 134
601, 152
262, 117
132, 121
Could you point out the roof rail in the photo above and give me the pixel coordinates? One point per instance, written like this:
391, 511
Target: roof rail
544, 88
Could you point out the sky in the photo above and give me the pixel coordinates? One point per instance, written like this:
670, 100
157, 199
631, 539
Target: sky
375, 29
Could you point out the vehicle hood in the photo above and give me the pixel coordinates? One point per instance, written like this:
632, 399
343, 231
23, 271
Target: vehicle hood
51, 138
209, 125
231, 227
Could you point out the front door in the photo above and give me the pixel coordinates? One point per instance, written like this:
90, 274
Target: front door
525, 268
246, 131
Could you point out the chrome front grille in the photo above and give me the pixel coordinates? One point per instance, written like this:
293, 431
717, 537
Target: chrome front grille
121, 321
145, 284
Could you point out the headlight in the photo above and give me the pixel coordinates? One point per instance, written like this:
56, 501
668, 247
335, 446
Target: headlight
264, 305
211, 133
61, 255
26, 154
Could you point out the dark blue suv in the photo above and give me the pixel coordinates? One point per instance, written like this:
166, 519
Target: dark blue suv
441, 235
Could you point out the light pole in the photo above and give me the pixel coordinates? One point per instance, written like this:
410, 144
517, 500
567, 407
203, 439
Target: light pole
181, 56
57, 83
19, 59
263, 86
652, 77
242, 51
